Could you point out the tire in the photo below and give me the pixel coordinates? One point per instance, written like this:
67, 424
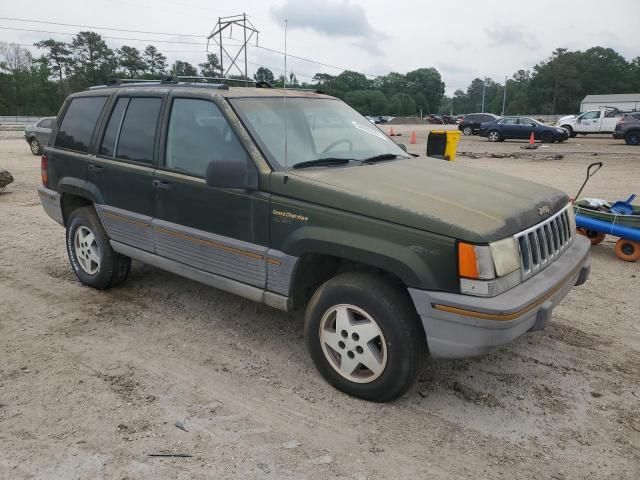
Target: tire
632, 137
398, 343
494, 136
594, 237
92, 259
572, 134
628, 250
547, 137
36, 149
468, 130
5, 178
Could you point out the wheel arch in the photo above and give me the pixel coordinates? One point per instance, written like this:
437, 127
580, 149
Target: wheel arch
76, 193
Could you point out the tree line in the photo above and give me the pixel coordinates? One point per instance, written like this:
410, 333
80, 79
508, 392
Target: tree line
556, 85
37, 85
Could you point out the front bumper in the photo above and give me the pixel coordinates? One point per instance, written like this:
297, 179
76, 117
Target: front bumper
50, 200
618, 134
459, 326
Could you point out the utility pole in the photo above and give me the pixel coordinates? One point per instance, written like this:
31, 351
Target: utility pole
224, 23
504, 95
484, 86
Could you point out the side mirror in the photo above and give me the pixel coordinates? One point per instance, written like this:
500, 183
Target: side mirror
231, 174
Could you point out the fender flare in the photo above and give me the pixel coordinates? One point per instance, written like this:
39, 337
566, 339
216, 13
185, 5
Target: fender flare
408, 263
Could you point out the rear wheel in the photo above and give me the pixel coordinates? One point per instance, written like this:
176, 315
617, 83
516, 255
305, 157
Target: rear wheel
628, 250
594, 237
35, 146
494, 136
365, 337
467, 130
632, 137
93, 260
546, 137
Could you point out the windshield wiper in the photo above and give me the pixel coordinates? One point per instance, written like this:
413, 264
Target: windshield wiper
380, 158
323, 162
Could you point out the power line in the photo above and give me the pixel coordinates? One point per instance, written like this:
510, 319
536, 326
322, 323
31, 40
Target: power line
99, 28
103, 36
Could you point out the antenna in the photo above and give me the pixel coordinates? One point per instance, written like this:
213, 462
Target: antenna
284, 102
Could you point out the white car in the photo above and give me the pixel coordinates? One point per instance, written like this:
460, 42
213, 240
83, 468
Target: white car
592, 121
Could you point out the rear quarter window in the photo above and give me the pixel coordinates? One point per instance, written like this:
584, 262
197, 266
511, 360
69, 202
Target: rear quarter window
79, 123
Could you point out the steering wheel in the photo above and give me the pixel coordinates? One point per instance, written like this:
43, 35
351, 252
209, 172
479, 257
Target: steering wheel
343, 140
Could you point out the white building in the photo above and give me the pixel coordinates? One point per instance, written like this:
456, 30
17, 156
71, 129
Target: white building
624, 101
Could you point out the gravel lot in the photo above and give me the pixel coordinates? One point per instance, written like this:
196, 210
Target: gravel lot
93, 382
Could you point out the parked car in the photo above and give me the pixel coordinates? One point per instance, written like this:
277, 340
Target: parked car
593, 121
37, 135
195, 179
470, 124
520, 128
434, 119
629, 129
448, 120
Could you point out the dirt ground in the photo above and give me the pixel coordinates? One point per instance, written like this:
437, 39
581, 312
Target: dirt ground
92, 383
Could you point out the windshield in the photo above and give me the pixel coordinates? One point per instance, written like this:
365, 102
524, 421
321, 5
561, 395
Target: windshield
317, 128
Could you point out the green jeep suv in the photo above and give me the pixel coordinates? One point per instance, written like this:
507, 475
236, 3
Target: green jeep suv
293, 199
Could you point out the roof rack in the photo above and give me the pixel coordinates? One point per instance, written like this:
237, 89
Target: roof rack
168, 80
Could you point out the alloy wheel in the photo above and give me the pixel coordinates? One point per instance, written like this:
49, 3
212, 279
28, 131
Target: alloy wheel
353, 343
86, 250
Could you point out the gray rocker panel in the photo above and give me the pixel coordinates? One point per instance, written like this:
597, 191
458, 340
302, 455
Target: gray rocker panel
127, 227
238, 288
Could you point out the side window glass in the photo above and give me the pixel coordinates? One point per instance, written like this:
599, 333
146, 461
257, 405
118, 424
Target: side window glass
110, 137
138, 131
198, 135
79, 122
48, 123
591, 115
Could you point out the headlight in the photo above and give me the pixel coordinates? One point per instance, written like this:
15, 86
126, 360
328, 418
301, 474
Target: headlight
488, 270
561, 130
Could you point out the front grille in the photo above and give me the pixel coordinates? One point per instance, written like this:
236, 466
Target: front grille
543, 243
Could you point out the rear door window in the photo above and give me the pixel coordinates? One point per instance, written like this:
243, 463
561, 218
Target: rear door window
79, 122
131, 131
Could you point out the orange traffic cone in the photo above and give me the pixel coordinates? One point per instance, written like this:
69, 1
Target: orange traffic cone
532, 139
413, 140
391, 133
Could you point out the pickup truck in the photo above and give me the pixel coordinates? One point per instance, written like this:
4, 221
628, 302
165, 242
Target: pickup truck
293, 199
592, 121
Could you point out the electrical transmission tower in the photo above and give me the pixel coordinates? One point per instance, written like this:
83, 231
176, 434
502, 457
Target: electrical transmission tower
248, 31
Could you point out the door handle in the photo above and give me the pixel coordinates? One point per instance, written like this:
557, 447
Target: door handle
95, 168
162, 185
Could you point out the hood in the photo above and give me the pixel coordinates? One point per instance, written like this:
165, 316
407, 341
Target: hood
566, 118
442, 197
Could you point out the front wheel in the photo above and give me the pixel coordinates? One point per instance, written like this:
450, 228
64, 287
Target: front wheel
632, 137
494, 136
467, 130
92, 259
35, 146
365, 337
572, 134
546, 137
